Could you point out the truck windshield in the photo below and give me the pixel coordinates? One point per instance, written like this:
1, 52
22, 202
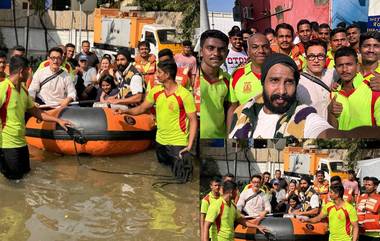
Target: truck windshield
167, 36
337, 166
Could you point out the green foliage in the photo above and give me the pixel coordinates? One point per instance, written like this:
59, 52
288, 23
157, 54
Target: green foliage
189, 8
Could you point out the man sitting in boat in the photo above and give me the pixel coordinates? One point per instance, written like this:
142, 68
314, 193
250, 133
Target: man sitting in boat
52, 85
129, 81
253, 202
309, 199
175, 111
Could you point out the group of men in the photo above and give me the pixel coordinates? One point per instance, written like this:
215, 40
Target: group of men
350, 211
321, 87
65, 77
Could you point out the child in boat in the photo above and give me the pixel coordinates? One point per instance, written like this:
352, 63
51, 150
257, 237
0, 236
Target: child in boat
294, 204
107, 88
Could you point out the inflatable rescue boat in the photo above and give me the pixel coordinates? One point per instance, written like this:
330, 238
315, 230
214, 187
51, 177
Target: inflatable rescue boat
95, 131
284, 229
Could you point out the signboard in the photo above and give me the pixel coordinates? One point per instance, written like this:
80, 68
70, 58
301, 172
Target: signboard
5, 4
374, 23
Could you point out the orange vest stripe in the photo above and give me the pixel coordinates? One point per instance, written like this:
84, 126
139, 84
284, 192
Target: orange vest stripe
218, 219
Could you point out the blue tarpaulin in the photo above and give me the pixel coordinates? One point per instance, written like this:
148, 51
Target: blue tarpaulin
350, 11
5, 4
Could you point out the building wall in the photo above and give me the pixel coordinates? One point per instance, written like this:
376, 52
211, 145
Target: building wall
222, 21
293, 11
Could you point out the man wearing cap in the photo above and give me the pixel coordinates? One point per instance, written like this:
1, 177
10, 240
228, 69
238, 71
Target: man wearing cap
129, 81
281, 115
85, 80
52, 85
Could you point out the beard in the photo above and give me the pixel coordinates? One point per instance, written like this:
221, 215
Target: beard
121, 68
278, 109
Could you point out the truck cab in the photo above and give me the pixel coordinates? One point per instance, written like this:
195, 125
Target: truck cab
333, 167
161, 37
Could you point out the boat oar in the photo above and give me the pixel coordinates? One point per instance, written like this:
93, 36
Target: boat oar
81, 102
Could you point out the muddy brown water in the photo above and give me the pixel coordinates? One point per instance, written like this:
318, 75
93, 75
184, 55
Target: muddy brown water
61, 200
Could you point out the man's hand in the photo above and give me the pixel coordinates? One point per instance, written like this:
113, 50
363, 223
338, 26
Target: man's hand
263, 229
335, 107
64, 123
186, 149
335, 86
375, 82
65, 102
111, 100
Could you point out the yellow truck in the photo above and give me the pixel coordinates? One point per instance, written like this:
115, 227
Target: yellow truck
299, 162
114, 30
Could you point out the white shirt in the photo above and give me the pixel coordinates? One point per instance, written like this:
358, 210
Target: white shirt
310, 93
234, 59
266, 125
54, 91
254, 206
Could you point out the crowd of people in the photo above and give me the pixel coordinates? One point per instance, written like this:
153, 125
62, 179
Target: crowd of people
315, 82
127, 85
350, 209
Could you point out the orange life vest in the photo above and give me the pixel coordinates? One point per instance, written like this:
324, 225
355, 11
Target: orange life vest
368, 209
183, 77
148, 74
322, 190
348, 195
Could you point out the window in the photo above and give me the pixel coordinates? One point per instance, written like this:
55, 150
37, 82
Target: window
168, 36
149, 37
324, 167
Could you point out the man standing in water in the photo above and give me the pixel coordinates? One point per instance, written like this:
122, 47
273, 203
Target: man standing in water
14, 102
342, 217
175, 111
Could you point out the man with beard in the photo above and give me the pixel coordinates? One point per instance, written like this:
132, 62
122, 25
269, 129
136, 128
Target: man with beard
353, 36
236, 54
324, 32
246, 82
304, 33
284, 35
368, 208
145, 63
369, 45
212, 85
338, 39
309, 199
352, 106
308, 91
342, 217
128, 80
281, 115
14, 102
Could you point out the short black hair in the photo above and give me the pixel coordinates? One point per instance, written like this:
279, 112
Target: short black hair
3, 54
16, 63
336, 31
268, 31
229, 186
346, 51
335, 179
55, 49
256, 176
165, 52
19, 48
307, 179
168, 66
320, 172
339, 189
213, 33
187, 43
302, 22
374, 180
316, 42
341, 25
236, 33
314, 26
85, 41
354, 25
230, 175
143, 43
216, 179
284, 26
294, 197
352, 172
278, 170
324, 25
368, 35
266, 173
70, 45
248, 31
109, 79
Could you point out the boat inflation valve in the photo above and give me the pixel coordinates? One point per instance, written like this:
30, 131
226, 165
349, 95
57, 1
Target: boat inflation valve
76, 135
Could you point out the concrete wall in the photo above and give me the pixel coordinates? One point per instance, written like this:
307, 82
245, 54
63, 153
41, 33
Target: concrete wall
222, 21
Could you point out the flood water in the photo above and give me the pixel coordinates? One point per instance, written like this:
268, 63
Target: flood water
62, 200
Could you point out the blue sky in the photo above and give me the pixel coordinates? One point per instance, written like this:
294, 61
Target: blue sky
220, 5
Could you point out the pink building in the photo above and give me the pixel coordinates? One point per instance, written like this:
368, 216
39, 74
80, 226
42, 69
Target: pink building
268, 13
